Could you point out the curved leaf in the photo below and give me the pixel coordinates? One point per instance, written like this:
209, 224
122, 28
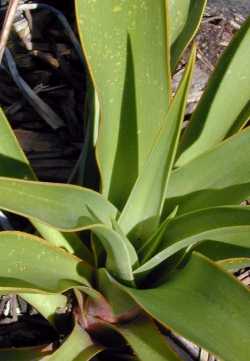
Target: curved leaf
220, 251
185, 17
144, 205
197, 303
121, 39
65, 207
146, 340
121, 304
120, 253
46, 305
28, 263
229, 225
226, 224
212, 120
24, 354
52, 204
224, 178
13, 163
77, 347
234, 265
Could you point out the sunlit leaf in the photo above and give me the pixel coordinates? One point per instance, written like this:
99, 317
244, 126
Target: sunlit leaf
145, 202
13, 163
46, 305
185, 17
212, 120
65, 207
197, 302
28, 263
224, 178
120, 253
77, 347
126, 48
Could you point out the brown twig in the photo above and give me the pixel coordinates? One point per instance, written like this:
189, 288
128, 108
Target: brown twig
8, 22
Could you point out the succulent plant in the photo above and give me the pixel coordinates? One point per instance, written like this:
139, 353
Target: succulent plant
166, 227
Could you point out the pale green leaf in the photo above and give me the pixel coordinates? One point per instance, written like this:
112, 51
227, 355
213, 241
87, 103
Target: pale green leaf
118, 249
13, 163
28, 264
46, 305
121, 39
185, 17
230, 83
223, 224
234, 265
142, 210
241, 120
149, 248
197, 302
65, 207
77, 347
224, 178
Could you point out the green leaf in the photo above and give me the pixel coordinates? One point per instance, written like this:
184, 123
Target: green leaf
29, 264
223, 224
152, 244
77, 347
224, 179
52, 204
65, 207
212, 120
23, 354
146, 340
234, 265
122, 305
119, 250
185, 17
13, 163
197, 302
145, 202
46, 305
121, 39
241, 120
218, 251
69, 241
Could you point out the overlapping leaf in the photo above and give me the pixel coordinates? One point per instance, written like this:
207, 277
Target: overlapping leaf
65, 207
197, 303
13, 163
144, 205
77, 347
26, 259
230, 83
224, 178
223, 224
126, 46
184, 17
138, 333
47, 305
